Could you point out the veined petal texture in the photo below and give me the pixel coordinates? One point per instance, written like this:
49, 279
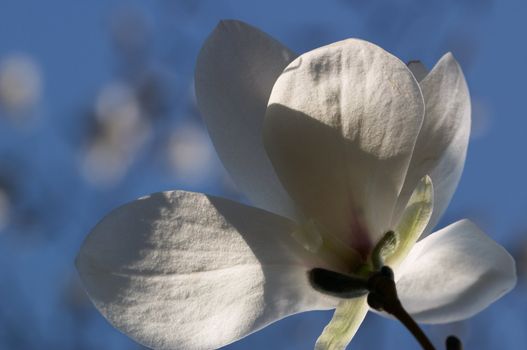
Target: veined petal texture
235, 72
181, 270
340, 130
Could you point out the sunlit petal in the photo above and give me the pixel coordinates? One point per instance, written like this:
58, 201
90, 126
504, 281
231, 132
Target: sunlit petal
340, 129
189, 271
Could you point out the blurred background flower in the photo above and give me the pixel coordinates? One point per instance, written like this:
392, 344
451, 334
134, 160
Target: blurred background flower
119, 132
97, 109
20, 82
190, 154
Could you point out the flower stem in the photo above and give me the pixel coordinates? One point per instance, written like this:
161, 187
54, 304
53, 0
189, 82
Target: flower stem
383, 297
400, 313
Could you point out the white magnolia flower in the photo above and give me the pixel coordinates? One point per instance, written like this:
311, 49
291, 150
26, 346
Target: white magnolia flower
352, 143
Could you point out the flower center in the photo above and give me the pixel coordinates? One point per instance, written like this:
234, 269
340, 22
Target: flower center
375, 280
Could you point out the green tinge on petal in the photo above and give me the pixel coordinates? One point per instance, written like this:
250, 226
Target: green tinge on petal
351, 312
386, 247
415, 217
347, 318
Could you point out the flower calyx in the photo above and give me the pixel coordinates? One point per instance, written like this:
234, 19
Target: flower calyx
381, 294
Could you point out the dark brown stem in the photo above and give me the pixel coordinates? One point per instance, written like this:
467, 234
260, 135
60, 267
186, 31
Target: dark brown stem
383, 296
400, 313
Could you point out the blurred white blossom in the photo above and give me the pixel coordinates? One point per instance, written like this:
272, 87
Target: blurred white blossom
118, 110
20, 82
122, 131
190, 154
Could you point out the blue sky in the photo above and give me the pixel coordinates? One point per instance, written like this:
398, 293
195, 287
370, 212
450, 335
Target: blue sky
79, 52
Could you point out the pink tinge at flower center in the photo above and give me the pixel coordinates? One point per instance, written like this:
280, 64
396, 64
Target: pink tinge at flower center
359, 236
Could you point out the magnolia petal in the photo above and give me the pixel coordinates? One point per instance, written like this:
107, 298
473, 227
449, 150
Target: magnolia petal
418, 69
346, 320
189, 271
442, 143
413, 221
235, 72
340, 129
454, 273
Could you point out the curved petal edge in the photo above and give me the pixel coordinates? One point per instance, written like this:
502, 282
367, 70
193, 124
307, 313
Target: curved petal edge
189, 271
454, 273
235, 72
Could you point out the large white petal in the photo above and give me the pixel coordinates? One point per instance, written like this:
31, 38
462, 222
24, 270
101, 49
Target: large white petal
442, 143
180, 270
453, 274
235, 72
340, 129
